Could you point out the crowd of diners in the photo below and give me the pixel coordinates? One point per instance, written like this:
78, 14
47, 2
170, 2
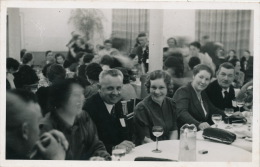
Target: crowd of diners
75, 112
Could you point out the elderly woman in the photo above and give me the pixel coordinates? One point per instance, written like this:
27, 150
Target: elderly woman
193, 105
156, 110
66, 115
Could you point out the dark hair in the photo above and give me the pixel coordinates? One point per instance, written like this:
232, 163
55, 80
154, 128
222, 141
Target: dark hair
88, 57
47, 52
142, 34
226, 65
175, 61
175, 41
132, 56
202, 67
27, 58
93, 70
25, 95
234, 62
59, 55
158, 74
55, 72
233, 51
22, 52
12, 63
107, 60
79, 56
60, 93
45, 68
107, 41
125, 73
193, 62
196, 44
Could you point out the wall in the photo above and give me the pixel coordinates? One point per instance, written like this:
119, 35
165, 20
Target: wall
48, 29
178, 23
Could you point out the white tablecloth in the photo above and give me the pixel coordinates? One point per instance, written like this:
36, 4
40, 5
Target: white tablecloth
217, 152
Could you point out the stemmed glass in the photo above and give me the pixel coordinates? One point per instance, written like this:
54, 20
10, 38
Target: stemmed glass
216, 118
240, 103
229, 112
157, 132
118, 152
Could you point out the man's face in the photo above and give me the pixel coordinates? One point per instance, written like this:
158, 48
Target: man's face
110, 89
246, 54
49, 56
142, 41
194, 51
225, 77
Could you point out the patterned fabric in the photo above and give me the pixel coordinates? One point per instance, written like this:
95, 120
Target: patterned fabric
128, 23
230, 27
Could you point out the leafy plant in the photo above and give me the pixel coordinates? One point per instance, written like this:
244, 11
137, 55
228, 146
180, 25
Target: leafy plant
88, 22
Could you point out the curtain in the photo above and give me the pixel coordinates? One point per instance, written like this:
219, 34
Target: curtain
127, 24
230, 27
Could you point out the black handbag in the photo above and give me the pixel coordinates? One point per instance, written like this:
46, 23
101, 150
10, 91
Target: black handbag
219, 135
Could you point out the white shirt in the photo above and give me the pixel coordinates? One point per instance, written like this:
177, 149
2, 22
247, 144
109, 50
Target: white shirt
109, 107
223, 90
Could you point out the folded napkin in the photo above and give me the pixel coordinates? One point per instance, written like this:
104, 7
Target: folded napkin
152, 159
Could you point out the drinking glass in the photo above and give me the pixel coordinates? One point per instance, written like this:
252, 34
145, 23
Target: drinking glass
157, 132
118, 152
229, 112
240, 103
216, 118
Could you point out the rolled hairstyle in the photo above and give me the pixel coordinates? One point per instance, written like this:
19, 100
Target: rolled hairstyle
158, 74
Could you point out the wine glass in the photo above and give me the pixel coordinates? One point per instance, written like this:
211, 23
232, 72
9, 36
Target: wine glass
240, 103
118, 152
228, 112
216, 118
157, 131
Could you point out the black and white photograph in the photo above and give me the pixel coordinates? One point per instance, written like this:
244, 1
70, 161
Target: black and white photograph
90, 83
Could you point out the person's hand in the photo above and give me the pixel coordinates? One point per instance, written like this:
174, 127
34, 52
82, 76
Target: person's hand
60, 138
9, 76
127, 145
49, 148
96, 158
203, 125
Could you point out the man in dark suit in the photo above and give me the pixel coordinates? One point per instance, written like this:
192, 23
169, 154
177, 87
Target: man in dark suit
221, 91
106, 111
142, 51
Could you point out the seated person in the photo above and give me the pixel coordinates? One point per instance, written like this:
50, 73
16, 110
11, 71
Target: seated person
87, 59
105, 110
239, 75
192, 63
66, 115
26, 75
128, 91
49, 58
12, 66
60, 59
92, 72
55, 73
221, 91
192, 103
155, 110
22, 130
107, 50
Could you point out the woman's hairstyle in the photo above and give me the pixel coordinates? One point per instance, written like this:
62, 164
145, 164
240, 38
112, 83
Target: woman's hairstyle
12, 63
196, 44
175, 61
22, 52
232, 51
158, 74
56, 72
59, 55
202, 67
107, 60
234, 62
125, 72
27, 57
193, 62
47, 52
175, 41
93, 70
88, 57
60, 93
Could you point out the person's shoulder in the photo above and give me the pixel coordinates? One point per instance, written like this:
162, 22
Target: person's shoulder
46, 124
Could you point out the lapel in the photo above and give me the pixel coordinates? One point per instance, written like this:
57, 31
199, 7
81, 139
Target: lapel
196, 102
218, 91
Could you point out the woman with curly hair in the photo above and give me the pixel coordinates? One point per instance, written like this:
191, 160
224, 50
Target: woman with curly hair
155, 110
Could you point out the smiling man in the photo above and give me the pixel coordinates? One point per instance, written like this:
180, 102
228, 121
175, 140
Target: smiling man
221, 91
105, 110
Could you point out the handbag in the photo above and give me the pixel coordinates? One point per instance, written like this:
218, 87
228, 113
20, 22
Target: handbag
219, 135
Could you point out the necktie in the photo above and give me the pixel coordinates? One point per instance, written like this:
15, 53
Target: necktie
113, 112
226, 94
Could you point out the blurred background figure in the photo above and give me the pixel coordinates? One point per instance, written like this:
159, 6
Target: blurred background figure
231, 55
239, 75
12, 67
172, 44
60, 59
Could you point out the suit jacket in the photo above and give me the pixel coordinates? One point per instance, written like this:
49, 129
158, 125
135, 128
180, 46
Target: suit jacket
189, 109
142, 55
214, 92
110, 130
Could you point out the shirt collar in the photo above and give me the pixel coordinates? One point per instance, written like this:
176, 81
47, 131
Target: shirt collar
223, 90
109, 107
